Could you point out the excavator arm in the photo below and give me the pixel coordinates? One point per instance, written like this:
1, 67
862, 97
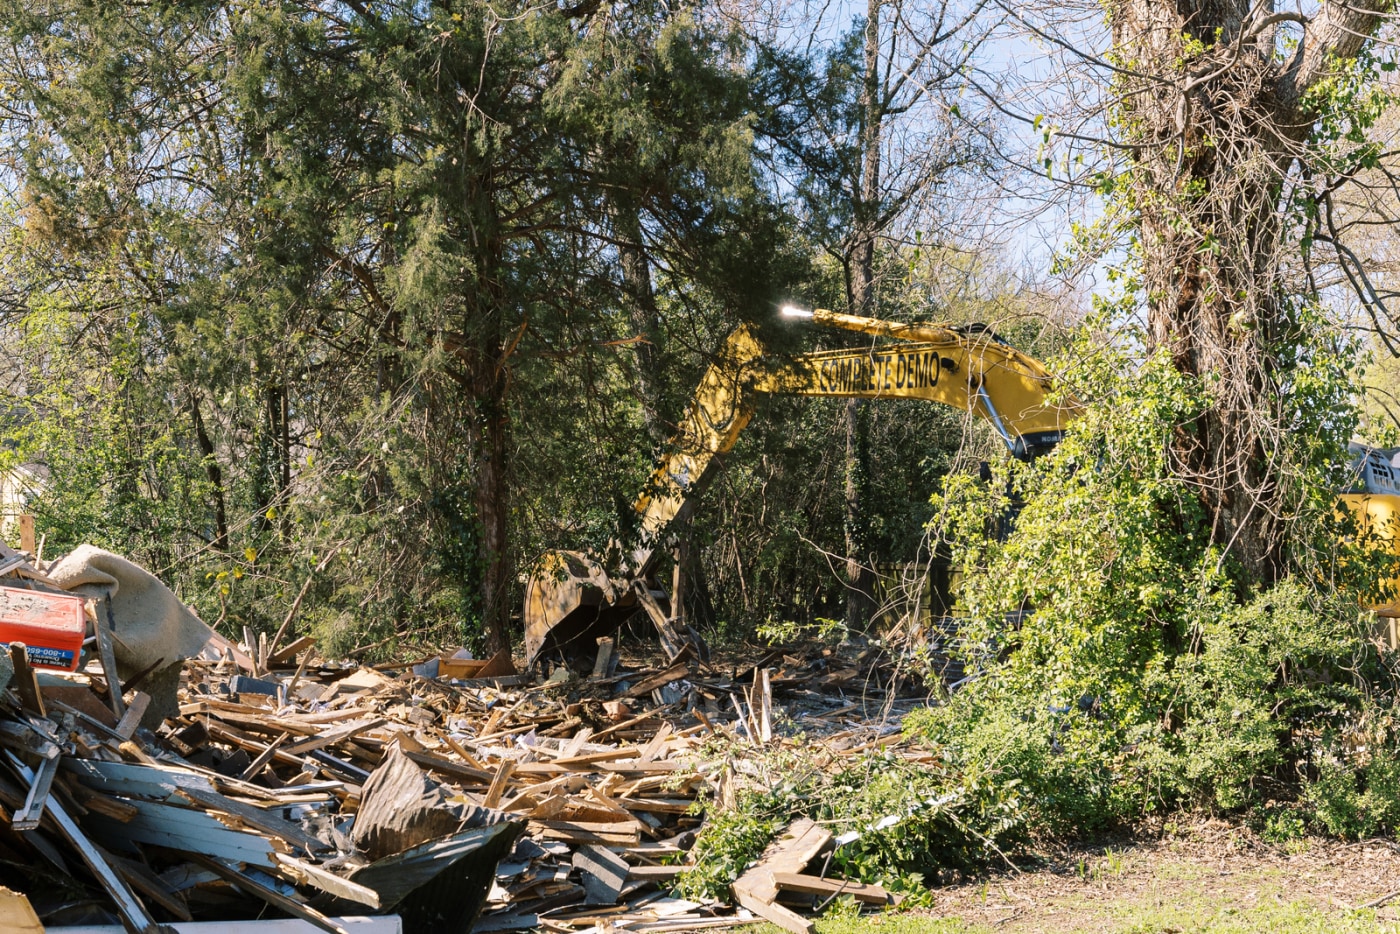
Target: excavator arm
571, 599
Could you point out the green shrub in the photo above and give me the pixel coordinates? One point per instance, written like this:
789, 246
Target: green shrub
1123, 664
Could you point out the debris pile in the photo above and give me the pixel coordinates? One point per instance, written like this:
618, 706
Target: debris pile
454, 794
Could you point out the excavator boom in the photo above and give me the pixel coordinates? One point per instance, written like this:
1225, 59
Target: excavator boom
571, 598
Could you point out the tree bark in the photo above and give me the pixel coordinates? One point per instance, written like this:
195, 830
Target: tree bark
861, 298
643, 316
215, 474
1216, 115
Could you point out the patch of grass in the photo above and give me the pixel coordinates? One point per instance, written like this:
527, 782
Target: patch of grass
884, 924
1297, 917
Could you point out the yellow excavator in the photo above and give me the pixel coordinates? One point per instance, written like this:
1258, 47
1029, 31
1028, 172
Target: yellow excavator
571, 599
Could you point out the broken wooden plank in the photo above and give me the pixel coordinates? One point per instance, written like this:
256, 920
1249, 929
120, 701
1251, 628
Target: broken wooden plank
24, 681
126, 727
660, 679
28, 817
134, 914
330, 739
603, 660
184, 829
290, 651
456, 771
268, 894
102, 629
17, 915
623, 832
791, 852
304, 873
815, 885
145, 882
654, 873
266, 822
497, 789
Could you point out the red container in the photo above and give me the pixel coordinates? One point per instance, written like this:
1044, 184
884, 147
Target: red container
51, 626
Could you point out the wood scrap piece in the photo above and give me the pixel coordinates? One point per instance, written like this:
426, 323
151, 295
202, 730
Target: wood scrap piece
763, 694
26, 533
658, 742
330, 739
268, 894
264, 757
659, 679
133, 913
17, 915
654, 873
28, 817
815, 885
24, 681
604, 658
463, 774
499, 665
142, 880
497, 789
791, 852
603, 872
288, 652
304, 873
184, 829
103, 632
126, 727
614, 832
264, 821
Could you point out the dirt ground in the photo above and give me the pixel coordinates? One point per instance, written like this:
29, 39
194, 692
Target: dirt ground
1206, 876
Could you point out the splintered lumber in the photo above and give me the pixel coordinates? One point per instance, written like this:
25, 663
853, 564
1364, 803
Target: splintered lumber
133, 913
102, 629
660, 679
815, 885
28, 817
17, 915
328, 882
498, 784
135, 710
604, 659
627, 832
268, 894
790, 853
290, 651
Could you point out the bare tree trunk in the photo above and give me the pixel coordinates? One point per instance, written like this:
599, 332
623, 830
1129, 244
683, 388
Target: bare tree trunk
215, 474
644, 318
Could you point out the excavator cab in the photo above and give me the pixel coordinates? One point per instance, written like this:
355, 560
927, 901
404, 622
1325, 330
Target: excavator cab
1374, 501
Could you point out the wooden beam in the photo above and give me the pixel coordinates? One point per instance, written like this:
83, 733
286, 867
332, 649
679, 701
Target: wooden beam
814, 885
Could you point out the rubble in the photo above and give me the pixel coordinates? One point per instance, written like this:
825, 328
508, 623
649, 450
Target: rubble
455, 794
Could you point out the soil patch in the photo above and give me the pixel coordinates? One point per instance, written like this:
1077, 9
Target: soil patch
1207, 876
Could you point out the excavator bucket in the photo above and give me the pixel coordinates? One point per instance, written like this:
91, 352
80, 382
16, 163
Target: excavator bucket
567, 608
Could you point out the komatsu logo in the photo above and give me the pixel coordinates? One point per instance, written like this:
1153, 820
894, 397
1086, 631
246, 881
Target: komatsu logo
879, 372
